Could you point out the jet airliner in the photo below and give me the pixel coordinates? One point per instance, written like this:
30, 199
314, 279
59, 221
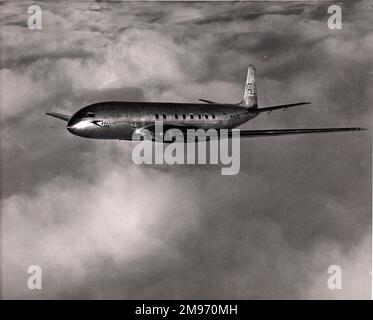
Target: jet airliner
121, 119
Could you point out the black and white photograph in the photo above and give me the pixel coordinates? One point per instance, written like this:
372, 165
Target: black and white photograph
186, 150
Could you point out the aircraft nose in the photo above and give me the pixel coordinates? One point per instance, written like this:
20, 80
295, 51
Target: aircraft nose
70, 128
71, 124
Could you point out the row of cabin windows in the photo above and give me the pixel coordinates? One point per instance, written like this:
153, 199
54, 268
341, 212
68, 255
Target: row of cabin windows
183, 116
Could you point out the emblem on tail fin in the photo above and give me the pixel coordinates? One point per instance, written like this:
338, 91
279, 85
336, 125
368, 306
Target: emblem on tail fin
250, 99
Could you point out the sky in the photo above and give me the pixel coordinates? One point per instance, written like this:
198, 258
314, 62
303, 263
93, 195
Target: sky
101, 227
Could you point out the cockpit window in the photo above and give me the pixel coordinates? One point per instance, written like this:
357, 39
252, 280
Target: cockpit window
90, 114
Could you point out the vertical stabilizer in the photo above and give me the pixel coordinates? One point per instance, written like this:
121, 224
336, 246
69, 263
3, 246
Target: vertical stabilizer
250, 99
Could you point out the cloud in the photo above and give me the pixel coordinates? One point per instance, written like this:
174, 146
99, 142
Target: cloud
101, 227
82, 220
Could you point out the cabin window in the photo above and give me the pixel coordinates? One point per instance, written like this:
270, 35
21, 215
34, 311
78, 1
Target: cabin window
199, 116
213, 116
90, 114
176, 116
191, 116
184, 116
157, 116
164, 117
206, 116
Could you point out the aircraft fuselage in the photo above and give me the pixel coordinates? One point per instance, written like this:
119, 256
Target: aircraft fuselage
119, 120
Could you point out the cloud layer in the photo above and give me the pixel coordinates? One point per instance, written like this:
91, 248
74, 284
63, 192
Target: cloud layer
102, 227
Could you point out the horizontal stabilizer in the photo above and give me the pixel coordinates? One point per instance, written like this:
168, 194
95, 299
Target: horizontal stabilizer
282, 106
58, 116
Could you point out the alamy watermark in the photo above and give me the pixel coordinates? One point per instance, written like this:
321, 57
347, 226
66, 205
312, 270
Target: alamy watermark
335, 278
159, 146
34, 281
335, 19
34, 21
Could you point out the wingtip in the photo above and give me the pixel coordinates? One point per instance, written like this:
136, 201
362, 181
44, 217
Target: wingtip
58, 116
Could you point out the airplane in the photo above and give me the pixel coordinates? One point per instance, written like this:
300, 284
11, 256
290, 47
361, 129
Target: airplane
121, 119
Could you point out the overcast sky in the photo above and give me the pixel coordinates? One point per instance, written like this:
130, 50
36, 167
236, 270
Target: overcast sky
101, 227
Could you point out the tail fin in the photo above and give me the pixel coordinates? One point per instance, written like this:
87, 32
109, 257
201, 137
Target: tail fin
250, 99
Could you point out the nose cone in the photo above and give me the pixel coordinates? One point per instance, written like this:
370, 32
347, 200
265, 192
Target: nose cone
81, 126
71, 125
70, 129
